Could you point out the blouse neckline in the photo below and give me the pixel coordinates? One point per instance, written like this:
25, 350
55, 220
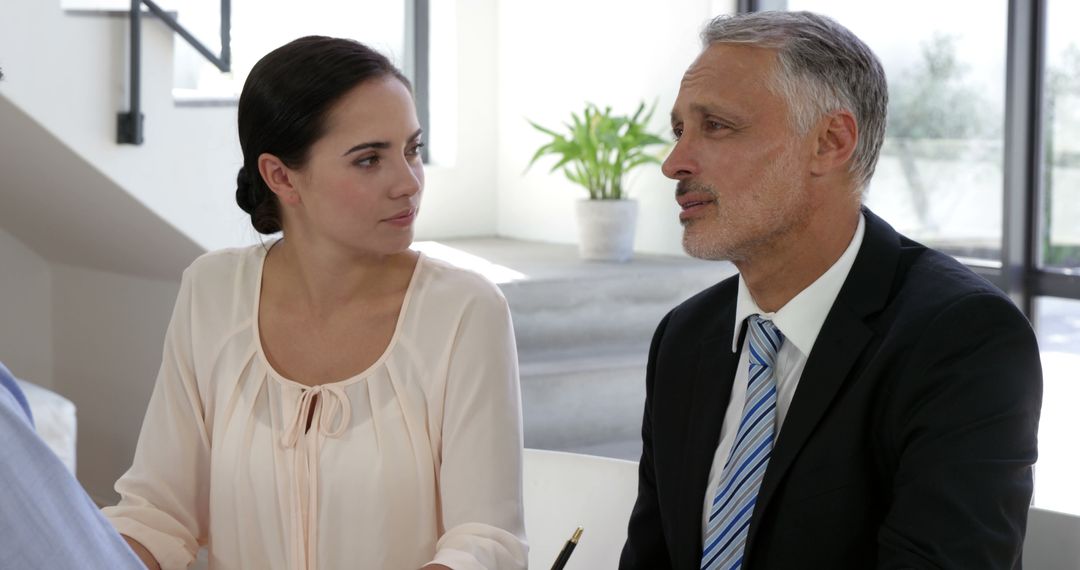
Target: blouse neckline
257, 336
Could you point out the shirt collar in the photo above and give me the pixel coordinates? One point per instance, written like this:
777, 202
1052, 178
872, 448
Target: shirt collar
800, 320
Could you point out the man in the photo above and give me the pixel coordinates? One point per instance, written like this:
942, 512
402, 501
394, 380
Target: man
46, 519
851, 399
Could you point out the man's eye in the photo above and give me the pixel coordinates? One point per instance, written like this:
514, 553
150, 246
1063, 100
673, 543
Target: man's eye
676, 133
715, 125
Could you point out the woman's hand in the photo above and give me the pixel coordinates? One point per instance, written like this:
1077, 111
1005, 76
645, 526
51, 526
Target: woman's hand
143, 554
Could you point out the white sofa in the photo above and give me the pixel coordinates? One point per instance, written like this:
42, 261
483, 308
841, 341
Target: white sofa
54, 418
1053, 541
567, 490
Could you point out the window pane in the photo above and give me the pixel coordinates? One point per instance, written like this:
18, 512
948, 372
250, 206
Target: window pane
939, 179
1061, 230
1058, 469
259, 26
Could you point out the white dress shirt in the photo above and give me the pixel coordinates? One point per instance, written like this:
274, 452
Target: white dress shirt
800, 322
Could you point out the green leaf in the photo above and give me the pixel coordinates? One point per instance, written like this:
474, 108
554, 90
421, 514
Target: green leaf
544, 130
600, 147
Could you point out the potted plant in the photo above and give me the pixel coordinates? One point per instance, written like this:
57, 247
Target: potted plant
597, 152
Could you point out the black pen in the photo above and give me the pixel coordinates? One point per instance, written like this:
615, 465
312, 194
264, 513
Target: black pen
567, 550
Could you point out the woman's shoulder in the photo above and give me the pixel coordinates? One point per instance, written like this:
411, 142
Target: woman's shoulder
223, 264
447, 299
455, 284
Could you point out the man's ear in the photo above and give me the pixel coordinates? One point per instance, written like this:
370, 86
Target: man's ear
836, 137
279, 178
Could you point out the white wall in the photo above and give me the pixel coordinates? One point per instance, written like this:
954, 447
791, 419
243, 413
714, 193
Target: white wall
513, 60
185, 172
25, 312
65, 210
460, 195
108, 331
556, 55
93, 336
74, 88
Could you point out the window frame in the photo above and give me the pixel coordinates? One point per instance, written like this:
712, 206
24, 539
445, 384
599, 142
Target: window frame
416, 66
1020, 274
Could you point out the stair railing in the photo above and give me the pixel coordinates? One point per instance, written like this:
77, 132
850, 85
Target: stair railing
130, 123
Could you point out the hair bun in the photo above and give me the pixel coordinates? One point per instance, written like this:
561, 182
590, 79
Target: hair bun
245, 196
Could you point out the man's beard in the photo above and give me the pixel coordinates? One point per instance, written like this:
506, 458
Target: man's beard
700, 246
757, 216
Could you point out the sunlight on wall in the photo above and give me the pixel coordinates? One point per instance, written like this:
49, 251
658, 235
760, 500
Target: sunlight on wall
493, 271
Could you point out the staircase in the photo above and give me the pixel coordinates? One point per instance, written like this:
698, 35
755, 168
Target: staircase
583, 332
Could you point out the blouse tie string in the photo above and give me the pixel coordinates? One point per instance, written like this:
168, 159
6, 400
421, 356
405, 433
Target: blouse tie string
338, 406
330, 412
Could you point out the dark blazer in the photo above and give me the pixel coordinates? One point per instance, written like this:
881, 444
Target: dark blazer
908, 444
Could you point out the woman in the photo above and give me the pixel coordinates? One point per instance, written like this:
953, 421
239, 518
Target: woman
335, 400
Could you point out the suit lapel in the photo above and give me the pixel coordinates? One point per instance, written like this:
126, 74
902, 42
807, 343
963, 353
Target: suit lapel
842, 339
826, 371
710, 394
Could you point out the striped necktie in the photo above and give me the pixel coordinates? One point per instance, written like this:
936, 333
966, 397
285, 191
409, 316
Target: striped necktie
736, 495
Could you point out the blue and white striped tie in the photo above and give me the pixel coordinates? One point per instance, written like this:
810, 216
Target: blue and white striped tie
736, 495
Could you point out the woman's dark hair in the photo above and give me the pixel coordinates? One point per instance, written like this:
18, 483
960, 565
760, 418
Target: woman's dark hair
284, 105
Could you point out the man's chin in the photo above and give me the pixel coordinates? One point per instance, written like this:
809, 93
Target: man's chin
696, 246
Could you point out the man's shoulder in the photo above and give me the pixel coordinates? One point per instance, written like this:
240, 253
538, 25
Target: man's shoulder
932, 291
10, 393
930, 277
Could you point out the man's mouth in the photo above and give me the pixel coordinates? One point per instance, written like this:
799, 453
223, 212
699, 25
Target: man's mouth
693, 204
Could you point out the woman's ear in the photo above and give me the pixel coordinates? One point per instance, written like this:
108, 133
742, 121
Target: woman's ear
837, 135
279, 178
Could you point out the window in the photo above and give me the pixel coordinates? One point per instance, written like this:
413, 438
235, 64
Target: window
982, 160
939, 177
397, 28
1057, 218
259, 26
1058, 469
1061, 139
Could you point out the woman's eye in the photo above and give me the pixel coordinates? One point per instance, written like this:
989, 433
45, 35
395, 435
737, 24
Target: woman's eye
367, 161
414, 150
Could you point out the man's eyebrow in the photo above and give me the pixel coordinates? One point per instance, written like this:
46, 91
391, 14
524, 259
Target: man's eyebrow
695, 109
700, 109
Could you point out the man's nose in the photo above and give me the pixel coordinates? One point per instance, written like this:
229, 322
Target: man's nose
680, 164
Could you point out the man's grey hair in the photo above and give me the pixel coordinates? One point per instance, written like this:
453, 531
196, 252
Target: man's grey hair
822, 68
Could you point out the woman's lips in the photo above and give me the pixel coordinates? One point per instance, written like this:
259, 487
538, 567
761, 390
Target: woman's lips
403, 219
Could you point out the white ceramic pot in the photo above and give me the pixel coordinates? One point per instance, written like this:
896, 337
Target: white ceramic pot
606, 229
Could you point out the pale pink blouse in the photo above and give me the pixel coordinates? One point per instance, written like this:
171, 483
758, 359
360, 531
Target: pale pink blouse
415, 460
